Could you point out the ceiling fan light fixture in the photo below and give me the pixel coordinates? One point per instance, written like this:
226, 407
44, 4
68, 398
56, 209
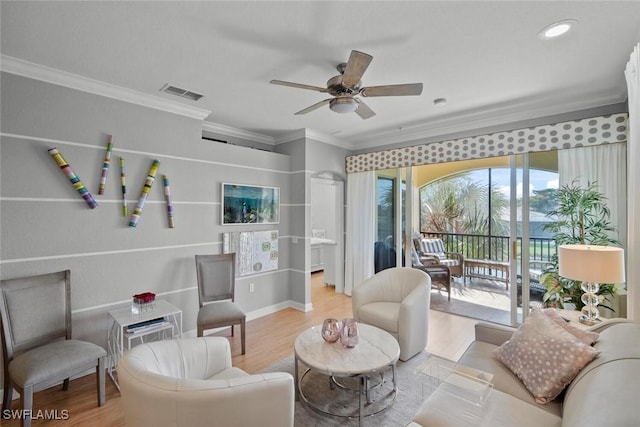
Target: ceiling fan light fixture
556, 29
343, 105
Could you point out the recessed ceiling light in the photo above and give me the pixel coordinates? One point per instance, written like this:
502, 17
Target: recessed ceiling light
556, 29
439, 102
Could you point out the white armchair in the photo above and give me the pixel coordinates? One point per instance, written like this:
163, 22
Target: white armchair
190, 382
396, 300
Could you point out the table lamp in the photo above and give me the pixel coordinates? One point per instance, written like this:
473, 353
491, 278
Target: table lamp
591, 264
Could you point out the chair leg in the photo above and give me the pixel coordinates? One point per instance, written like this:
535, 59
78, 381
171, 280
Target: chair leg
65, 384
100, 380
27, 405
8, 393
231, 330
243, 335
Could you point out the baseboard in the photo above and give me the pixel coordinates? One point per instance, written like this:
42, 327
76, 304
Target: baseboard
253, 315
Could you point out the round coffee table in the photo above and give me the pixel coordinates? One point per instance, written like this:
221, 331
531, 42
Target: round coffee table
377, 352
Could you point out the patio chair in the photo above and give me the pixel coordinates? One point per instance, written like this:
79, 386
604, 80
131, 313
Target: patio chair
433, 249
440, 274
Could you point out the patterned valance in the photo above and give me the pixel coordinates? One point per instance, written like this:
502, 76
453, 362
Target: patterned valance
576, 133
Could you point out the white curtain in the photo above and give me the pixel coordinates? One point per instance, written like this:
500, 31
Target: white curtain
632, 74
607, 165
361, 228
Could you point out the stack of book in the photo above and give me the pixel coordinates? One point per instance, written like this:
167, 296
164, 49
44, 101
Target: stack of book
146, 326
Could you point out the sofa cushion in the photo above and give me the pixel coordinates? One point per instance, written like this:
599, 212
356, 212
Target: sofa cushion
609, 383
544, 356
479, 355
501, 410
587, 337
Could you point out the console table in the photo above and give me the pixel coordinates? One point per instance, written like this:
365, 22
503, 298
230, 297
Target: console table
122, 318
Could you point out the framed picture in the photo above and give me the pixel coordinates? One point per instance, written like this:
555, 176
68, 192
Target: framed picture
250, 204
256, 251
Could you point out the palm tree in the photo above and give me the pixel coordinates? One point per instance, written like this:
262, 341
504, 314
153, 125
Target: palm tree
460, 205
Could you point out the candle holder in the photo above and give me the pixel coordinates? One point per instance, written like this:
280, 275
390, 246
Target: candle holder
331, 330
349, 336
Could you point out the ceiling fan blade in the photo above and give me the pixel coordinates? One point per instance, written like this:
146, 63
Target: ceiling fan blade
298, 85
392, 90
314, 106
357, 65
364, 111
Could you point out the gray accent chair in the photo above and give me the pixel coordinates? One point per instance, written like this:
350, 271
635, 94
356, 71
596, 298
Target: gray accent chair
397, 301
36, 335
216, 294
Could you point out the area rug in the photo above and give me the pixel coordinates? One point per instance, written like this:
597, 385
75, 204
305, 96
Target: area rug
415, 381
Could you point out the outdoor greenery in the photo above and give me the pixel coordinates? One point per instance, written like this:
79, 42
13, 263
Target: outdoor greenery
581, 217
460, 205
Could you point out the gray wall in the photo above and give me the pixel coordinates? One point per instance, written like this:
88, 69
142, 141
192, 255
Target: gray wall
46, 226
307, 157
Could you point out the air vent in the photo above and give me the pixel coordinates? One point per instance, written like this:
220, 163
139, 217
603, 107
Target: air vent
182, 93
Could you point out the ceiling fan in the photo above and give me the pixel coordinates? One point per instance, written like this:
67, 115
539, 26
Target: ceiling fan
347, 85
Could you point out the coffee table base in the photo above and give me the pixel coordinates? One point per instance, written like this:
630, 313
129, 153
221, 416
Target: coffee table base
363, 389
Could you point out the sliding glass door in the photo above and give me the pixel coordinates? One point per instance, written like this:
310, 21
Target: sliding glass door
478, 208
495, 212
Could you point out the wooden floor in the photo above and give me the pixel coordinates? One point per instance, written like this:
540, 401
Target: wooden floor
269, 339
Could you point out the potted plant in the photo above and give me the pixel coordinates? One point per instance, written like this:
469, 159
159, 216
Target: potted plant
581, 217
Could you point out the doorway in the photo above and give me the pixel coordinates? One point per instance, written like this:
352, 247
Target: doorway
327, 232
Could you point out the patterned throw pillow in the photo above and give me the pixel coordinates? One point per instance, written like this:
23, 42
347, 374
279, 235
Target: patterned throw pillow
544, 356
586, 337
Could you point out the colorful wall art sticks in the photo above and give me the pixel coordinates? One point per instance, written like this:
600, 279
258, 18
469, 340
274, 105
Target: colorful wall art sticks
167, 196
123, 185
105, 166
135, 217
75, 181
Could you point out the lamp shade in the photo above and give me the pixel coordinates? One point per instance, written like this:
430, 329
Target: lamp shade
591, 263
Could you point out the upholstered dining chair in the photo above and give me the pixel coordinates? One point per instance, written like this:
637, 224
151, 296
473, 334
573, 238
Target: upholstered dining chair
216, 294
38, 348
396, 300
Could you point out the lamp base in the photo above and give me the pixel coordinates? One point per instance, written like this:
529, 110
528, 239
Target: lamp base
586, 321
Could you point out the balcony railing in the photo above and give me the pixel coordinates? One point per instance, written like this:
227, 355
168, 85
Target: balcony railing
541, 249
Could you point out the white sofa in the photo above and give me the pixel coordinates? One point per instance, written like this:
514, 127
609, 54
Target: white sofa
190, 382
396, 300
606, 392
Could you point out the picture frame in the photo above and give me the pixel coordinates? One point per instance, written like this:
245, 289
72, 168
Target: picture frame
250, 204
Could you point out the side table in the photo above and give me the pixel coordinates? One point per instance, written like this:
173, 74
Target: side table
121, 318
573, 316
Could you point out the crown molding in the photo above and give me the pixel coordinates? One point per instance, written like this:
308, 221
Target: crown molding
238, 133
315, 135
54, 76
488, 116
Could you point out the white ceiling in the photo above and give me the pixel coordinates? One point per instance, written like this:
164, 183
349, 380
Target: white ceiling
484, 57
